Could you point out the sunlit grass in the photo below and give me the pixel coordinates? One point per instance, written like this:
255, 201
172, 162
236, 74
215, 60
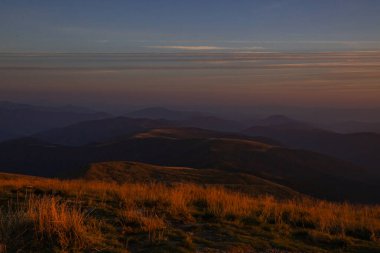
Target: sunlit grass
53, 212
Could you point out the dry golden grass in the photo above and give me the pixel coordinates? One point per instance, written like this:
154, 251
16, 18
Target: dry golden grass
147, 208
48, 222
147, 221
56, 221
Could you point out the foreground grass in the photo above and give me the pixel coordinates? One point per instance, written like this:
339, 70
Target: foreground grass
38, 215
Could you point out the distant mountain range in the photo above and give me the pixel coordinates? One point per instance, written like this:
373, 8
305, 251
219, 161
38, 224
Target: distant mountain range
122, 127
281, 121
189, 119
21, 120
359, 148
100, 130
284, 151
164, 113
355, 127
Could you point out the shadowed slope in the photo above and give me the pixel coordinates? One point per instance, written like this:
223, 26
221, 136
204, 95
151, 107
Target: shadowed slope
121, 127
359, 148
100, 130
306, 172
189, 119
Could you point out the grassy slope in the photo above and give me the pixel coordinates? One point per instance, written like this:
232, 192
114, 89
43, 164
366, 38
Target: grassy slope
132, 172
49, 215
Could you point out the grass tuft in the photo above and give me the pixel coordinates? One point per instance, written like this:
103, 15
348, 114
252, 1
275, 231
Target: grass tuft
80, 216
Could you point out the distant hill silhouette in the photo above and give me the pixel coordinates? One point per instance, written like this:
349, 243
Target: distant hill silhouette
5, 135
359, 148
355, 127
20, 119
281, 121
164, 113
189, 118
100, 130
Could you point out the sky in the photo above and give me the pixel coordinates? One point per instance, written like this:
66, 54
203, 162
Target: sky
182, 25
199, 54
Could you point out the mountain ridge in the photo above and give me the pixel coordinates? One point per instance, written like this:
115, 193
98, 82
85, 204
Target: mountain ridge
310, 173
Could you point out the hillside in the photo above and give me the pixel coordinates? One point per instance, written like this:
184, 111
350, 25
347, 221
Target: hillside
307, 172
99, 130
110, 129
133, 172
361, 149
113, 128
347, 127
49, 215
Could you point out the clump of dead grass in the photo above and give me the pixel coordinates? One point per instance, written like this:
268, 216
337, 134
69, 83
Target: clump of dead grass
45, 222
151, 207
146, 221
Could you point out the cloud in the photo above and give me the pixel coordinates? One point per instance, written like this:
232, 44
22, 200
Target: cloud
190, 48
338, 42
253, 48
210, 48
